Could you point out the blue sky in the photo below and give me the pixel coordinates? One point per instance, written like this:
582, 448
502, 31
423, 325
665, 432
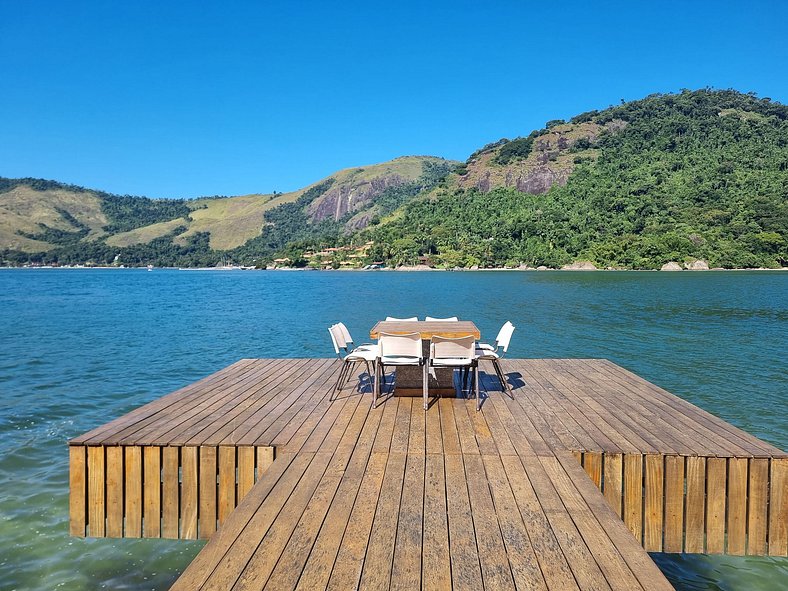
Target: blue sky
181, 99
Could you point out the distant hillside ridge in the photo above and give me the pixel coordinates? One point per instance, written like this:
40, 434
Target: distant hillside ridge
680, 180
47, 222
697, 175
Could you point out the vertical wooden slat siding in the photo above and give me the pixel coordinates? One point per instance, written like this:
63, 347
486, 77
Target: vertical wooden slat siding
674, 504
245, 470
77, 484
314, 493
207, 506
654, 502
715, 505
189, 493
151, 492
133, 491
758, 503
114, 472
695, 509
592, 464
227, 481
96, 484
778, 508
170, 492
265, 457
737, 506
613, 481
633, 494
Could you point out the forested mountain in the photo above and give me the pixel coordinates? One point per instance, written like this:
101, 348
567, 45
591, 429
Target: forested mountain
49, 222
672, 177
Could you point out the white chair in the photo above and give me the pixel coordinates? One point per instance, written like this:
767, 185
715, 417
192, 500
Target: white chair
349, 340
366, 356
450, 319
494, 354
392, 319
399, 350
454, 353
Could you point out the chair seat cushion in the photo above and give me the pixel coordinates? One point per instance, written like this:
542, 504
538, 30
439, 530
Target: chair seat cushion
362, 355
400, 360
485, 346
451, 362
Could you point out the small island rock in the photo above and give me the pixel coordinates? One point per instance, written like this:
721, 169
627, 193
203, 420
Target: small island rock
671, 266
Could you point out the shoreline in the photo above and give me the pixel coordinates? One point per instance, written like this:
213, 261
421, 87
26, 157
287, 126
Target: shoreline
396, 270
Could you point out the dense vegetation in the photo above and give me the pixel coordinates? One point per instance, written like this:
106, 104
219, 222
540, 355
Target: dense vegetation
288, 232
124, 212
694, 175
160, 251
127, 213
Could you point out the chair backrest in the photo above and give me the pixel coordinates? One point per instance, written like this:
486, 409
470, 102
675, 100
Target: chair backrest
400, 345
392, 319
504, 336
345, 333
450, 319
337, 338
456, 348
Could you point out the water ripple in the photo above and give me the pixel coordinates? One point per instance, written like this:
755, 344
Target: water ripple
79, 347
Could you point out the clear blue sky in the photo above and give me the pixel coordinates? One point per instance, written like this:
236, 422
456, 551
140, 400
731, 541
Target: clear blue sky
181, 99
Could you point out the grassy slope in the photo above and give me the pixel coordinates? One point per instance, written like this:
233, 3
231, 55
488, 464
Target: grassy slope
233, 221
23, 209
146, 233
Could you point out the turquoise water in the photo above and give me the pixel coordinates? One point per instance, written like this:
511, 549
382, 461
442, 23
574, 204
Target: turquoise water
79, 347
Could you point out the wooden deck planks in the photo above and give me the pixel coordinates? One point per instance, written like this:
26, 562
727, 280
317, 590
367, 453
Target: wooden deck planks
396, 497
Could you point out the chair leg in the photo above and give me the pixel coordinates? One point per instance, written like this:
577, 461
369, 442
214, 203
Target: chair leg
426, 384
369, 375
337, 387
375, 386
476, 376
506, 387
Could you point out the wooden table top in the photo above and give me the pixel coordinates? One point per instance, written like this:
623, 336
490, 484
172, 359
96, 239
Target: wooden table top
449, 329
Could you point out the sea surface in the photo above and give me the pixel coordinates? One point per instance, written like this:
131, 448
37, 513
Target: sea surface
80, 347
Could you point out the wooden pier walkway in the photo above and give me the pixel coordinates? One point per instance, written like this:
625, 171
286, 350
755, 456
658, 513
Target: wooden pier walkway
564, 487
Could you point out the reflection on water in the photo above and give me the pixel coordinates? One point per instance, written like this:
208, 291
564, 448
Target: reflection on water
79, 347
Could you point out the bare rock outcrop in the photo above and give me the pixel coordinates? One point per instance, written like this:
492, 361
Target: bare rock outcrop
671, 266
337, 202
580, 266
699, 265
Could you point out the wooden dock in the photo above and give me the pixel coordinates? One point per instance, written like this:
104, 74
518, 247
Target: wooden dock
565, 487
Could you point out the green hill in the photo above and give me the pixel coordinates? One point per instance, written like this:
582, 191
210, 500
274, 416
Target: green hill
49, 222
672, 177
676, 177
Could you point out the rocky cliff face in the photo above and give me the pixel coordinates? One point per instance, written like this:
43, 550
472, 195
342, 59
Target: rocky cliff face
550, 161
339, 201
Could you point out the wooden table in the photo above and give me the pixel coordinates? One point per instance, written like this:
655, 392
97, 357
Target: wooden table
409, 379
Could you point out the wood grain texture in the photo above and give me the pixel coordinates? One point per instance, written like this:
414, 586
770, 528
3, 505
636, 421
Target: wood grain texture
151, 492
96, 488
133, 491
114, 476
716, 477
561, 487
170, 492
77, 485
695, 505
